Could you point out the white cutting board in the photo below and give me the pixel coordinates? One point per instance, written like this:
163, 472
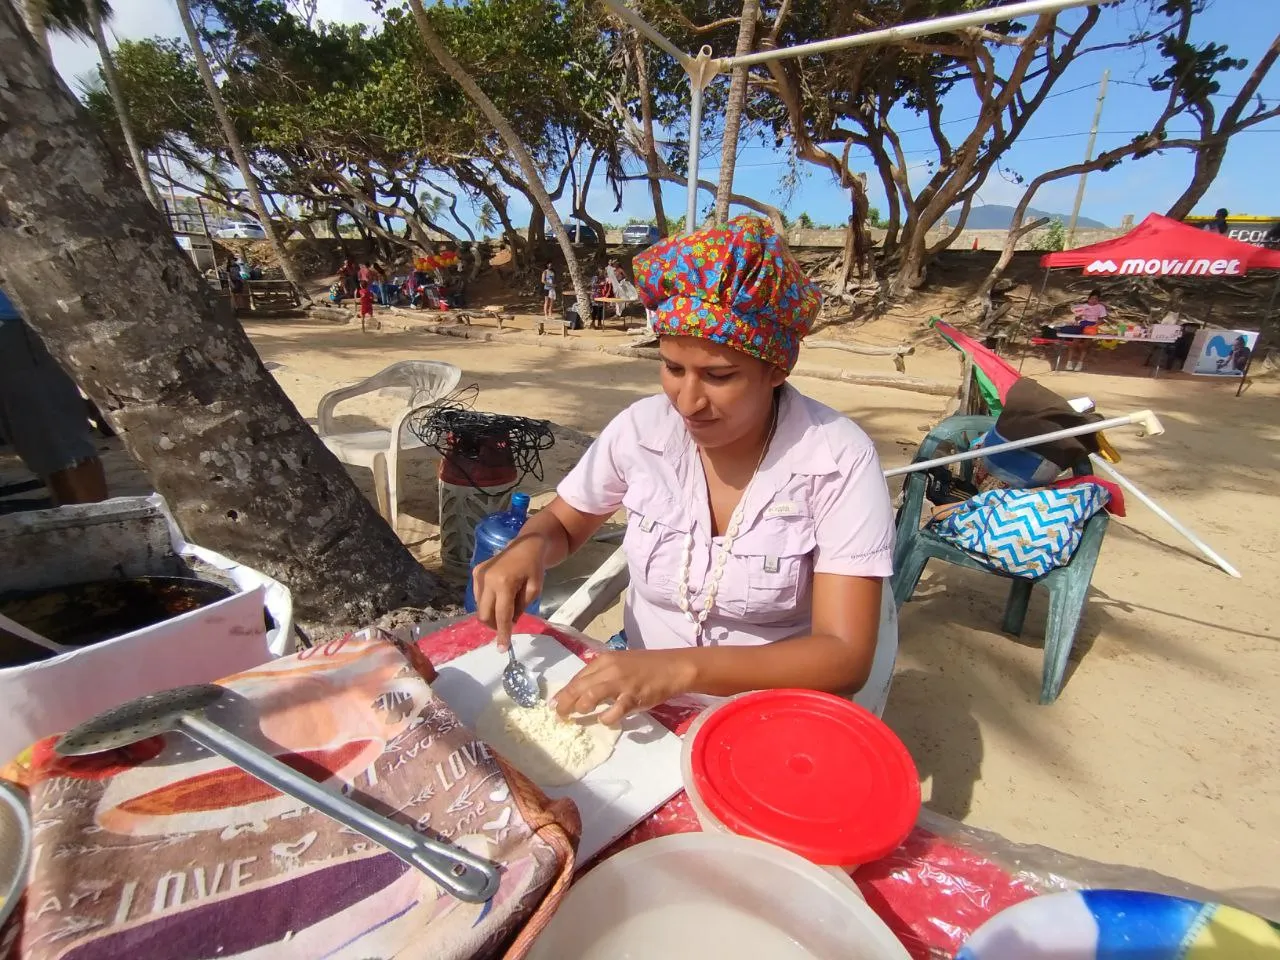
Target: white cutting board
642, 774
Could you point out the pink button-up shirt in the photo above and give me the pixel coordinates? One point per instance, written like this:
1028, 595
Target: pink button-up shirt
818, 504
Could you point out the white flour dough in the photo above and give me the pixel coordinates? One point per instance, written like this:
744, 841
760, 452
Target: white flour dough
549, 751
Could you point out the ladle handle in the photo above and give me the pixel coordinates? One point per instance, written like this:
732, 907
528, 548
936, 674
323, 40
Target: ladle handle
459, 872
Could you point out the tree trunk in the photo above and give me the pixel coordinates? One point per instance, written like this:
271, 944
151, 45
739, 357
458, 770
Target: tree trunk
179, 381
733, 109
528, 168
536, 232
237, 151
639, 51
122, 110
1208, 161
33, 15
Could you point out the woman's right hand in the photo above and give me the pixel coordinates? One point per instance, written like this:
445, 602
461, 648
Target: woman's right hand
506, 584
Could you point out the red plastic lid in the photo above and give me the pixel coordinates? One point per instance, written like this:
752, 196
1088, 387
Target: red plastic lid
808, 771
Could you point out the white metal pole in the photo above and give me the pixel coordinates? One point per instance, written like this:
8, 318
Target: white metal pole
625, 13
922, 28
1145, 419
1164, 515
1088, 155
695, 146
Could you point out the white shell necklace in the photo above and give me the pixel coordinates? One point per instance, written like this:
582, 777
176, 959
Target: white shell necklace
712, 585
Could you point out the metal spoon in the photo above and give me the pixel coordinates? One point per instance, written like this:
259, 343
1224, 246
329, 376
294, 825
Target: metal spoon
463, 874
518, 682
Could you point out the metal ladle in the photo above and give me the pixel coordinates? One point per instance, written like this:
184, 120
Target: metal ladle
461, 873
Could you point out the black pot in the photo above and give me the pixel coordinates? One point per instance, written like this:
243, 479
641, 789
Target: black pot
80, 614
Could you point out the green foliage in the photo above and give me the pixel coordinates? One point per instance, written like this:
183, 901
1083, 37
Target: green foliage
167, 102
804, 221
1053, 239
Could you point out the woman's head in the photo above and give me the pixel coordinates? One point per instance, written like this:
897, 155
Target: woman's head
1095, 295
735, 285
722, 393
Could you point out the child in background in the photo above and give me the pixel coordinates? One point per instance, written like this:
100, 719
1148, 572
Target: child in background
366, 303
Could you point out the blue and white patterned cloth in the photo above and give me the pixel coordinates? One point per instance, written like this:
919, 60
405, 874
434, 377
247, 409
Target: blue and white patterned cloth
1023, 533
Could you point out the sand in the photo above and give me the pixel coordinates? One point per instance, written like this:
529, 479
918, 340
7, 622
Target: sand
1161, 751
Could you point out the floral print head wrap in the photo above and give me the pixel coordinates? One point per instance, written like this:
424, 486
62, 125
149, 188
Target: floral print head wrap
734, 284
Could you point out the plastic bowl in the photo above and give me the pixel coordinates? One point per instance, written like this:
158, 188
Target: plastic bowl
15, 849
693, 896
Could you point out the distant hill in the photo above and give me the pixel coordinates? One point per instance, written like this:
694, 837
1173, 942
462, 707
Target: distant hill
995, 216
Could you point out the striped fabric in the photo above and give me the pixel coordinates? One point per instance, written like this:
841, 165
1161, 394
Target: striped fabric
1023, 533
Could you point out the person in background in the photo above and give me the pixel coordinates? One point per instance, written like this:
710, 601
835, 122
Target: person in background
1092, 311
548, 291
366, 303
378, 283
348, 276
622, 289
599, 288
1219, 222
760, 526
43, 417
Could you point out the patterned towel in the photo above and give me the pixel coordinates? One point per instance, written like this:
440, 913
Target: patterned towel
1023, 533
163, 850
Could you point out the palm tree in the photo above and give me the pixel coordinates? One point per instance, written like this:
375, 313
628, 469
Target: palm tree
528, 168
486, 218
733, 108
85, 19
237, 149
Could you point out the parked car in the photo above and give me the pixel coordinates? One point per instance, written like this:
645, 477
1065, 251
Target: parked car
242, 230
580, 235
640, 234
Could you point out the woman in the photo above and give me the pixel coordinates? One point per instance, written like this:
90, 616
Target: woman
548, 291
1092, 312
760, 529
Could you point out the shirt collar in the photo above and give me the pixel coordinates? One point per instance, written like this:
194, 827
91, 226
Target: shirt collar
797, 426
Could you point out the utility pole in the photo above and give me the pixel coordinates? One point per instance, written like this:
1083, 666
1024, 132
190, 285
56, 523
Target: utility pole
1088, 155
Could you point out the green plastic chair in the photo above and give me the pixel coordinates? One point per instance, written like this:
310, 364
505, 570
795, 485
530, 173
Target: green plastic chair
1068, 585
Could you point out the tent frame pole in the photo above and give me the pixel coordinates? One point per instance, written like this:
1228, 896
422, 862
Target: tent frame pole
1026, 307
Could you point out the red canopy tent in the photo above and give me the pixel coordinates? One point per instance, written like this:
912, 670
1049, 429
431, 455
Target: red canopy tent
1160, 247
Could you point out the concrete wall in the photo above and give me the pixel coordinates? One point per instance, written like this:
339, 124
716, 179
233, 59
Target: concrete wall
986, 239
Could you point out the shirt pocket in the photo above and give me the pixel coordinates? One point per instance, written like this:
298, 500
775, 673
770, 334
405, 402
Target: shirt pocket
656, 530
774, 563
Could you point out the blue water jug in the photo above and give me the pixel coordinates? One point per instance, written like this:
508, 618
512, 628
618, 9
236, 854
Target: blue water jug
493, 533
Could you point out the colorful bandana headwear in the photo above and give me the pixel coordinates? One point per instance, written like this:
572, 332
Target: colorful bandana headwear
734, 284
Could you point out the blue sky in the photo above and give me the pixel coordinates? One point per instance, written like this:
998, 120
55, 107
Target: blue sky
1056, 135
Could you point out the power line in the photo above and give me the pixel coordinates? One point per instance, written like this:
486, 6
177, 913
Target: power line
1053, 136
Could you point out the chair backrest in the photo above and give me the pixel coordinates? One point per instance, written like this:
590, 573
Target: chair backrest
418, 381
962, 432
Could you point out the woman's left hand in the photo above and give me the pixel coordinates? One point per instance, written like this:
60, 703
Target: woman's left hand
633, 680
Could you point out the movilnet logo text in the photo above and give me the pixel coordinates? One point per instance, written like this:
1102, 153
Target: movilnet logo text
1155, 267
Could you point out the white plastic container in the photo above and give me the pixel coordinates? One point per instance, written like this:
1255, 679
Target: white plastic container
695, 896
707, 820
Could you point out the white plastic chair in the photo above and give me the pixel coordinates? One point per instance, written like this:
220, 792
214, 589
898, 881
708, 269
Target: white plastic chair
600, 590
420, 382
